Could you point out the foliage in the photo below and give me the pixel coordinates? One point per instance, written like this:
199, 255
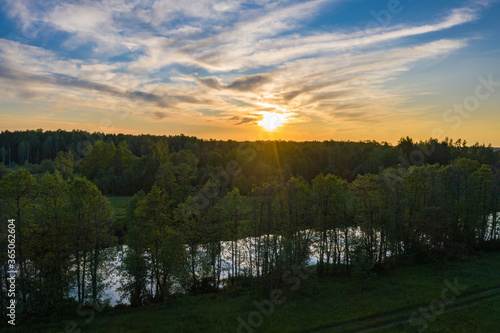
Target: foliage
203, 209
319, 303
62, 228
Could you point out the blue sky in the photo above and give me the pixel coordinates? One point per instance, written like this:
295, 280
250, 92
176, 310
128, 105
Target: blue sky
342, 70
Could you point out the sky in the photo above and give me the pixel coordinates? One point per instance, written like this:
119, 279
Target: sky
254, 70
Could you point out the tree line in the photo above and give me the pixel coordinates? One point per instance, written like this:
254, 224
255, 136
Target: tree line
212, 214
62, 230
64, 226
121, 164
422, 213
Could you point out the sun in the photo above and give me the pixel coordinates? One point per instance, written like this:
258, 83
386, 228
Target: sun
272, 120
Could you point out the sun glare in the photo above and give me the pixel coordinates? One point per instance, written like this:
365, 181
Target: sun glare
272, 120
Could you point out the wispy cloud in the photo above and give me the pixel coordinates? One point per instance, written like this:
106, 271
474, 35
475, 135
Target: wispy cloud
231, 57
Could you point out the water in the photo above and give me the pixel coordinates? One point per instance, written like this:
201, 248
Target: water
113, 278
246, 247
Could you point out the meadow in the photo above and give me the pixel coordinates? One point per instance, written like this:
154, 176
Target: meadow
336, 303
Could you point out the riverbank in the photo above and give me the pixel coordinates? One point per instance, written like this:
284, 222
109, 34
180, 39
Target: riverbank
306, 303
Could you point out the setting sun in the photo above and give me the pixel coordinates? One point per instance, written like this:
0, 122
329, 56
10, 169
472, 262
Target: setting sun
272, 120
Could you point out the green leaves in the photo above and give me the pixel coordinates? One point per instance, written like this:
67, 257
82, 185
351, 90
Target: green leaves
63, 225
17, 189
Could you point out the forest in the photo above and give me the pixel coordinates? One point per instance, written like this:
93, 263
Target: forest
207, 215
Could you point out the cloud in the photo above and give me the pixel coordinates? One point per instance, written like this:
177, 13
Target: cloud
211, 82
159, 115
230, 57
347, 106
186, 30
248, 83
245, 120
81, 18
243, 83
65, 81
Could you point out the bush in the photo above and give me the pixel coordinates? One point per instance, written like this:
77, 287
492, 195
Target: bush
362, 265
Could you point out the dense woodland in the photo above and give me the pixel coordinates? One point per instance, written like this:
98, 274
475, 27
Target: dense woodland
209, 214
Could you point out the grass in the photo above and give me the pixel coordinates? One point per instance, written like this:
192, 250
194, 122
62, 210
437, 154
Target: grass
315, 303
479, 318
476, 318
119, 205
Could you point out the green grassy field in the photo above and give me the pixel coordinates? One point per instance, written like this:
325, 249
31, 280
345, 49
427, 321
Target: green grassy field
479, 318
476, 318
119, 205
316, 303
